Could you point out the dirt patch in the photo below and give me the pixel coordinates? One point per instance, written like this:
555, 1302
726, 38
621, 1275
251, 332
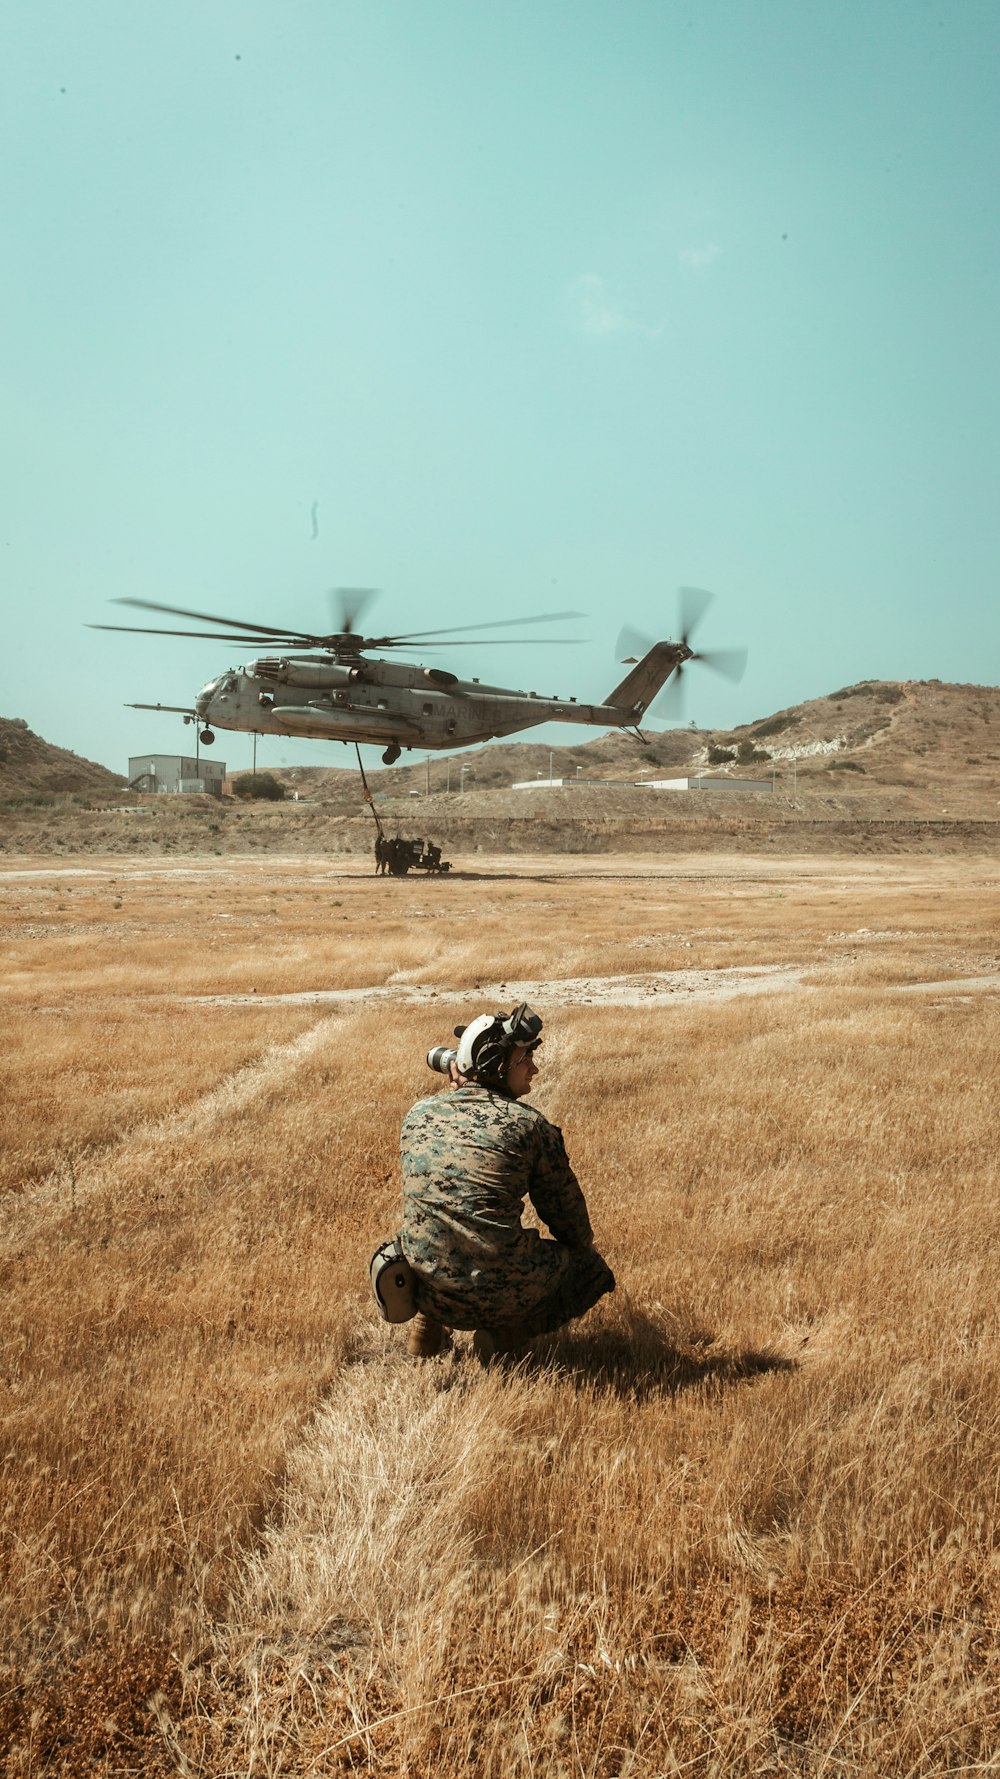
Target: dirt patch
658, 988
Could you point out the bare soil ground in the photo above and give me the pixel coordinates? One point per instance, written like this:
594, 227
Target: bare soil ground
589, 821
740, 1520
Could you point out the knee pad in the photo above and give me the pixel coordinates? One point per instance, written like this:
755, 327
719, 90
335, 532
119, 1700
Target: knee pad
392, 1283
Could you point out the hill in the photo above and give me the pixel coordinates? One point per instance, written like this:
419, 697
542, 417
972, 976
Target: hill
30, 766
879, 766
934, 746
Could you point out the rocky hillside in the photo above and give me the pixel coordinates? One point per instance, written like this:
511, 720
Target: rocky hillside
873, 767
934, 747
31, 767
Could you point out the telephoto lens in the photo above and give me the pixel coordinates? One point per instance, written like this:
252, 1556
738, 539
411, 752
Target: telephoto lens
441, 1058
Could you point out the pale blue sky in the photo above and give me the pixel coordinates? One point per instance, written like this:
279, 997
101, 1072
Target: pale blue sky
544, 305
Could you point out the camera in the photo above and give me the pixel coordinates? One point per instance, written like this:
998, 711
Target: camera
440, 1057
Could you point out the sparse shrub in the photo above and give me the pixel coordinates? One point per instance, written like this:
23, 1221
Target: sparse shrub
846, 766
774, 725
260, 785
719, 756
746, 752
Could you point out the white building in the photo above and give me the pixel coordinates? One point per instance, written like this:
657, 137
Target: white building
703, 783
176, 772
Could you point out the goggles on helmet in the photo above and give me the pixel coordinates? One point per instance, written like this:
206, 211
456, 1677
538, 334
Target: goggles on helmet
485, 1046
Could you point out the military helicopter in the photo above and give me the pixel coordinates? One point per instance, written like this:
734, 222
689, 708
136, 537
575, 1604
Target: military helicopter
341, 687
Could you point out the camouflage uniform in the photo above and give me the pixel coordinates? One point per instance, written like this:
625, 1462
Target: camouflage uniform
470, 1157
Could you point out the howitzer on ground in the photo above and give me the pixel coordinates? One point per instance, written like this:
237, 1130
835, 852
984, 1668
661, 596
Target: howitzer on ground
398, 856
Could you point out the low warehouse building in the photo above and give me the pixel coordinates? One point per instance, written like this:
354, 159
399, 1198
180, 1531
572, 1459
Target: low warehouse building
704, 783
176, 772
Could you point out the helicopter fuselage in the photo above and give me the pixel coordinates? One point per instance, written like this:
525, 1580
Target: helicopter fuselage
398, 704
342, 689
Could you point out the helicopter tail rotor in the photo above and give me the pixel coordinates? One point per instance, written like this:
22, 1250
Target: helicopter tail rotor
693, 603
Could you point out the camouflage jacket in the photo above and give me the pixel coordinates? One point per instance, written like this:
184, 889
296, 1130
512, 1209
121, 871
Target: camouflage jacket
470, 1158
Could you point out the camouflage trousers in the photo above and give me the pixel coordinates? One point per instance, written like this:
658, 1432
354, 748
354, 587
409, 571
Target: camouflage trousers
587, 1278
584, 1278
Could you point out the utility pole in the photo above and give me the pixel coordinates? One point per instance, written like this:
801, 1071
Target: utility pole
550, 765
427, 775
448, 785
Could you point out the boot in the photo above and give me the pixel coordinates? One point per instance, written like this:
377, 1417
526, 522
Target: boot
426, 1337
490, 1344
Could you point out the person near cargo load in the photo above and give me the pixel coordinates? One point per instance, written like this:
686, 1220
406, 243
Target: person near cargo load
471, 1157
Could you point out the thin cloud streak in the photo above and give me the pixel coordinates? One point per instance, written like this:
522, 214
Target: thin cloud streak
698, 259
597, 315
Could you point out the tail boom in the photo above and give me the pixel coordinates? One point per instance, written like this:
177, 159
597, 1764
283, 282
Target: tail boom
640, 687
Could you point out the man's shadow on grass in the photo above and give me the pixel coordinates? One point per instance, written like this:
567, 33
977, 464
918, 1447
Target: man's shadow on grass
638, 1357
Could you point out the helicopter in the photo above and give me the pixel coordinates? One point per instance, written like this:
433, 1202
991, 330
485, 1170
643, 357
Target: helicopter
341, 687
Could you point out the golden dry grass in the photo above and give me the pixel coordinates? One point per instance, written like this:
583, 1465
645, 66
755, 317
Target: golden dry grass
81, 1076
742, 1519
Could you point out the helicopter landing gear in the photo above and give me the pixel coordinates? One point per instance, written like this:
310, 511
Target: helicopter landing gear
391, 754
207, 737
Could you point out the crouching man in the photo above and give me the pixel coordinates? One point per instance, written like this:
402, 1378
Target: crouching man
470, 1159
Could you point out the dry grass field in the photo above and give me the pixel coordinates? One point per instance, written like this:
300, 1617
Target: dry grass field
744, 1519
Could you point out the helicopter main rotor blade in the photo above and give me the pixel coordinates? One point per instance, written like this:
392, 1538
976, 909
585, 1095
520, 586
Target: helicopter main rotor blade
179, 611
353, 602
489, 642
208, 635
351, 645
731, 663
350, 602
464, 629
